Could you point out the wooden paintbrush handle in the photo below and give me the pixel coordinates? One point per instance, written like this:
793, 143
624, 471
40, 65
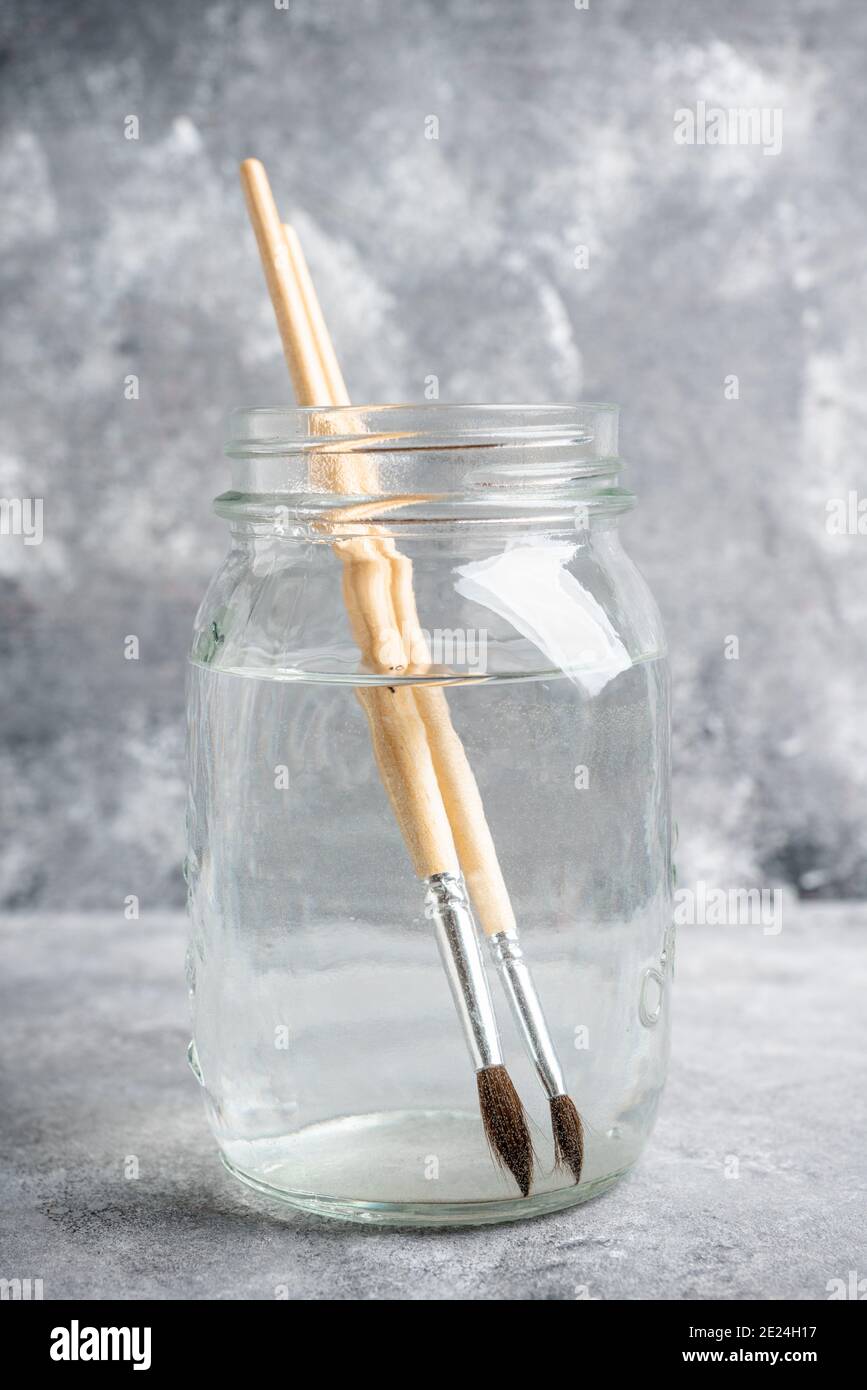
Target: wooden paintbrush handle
406, 768
336, 386
460, 790
465, 809
296, 332
396, 728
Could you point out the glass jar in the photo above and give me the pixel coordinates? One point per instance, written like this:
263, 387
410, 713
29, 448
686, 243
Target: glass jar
333, 1063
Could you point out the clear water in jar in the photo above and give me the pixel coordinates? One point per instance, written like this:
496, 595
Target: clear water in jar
334, 1070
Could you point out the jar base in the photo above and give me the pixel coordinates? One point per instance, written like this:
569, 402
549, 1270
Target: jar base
407, 1154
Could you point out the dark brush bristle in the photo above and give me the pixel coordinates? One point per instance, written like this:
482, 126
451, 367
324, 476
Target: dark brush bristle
506, 1125
568, 1135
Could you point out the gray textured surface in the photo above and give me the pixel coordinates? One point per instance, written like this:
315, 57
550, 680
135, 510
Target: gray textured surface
452, 257
769, 1042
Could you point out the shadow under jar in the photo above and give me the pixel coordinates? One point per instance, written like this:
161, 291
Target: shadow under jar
333, 1066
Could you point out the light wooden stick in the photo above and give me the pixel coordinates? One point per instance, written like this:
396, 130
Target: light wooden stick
460, 790
296, 332
396, 730
336, 386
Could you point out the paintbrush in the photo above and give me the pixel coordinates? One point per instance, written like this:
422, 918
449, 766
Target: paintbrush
396, 727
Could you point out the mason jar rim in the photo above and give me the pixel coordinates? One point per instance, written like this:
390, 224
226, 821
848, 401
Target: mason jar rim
283, 431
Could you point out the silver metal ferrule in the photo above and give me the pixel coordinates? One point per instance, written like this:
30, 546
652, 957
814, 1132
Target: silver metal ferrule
447, 906
527, 1010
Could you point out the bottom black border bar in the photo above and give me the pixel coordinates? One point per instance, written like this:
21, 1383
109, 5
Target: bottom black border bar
258, 1337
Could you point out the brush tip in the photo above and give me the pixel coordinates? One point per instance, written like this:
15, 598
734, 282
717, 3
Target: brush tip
568, 1135
505, 1125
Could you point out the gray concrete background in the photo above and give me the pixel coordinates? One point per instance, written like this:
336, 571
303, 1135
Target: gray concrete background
752, 1187
455, 257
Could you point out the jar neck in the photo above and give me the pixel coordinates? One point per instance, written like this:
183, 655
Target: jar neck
402, 468
306, 517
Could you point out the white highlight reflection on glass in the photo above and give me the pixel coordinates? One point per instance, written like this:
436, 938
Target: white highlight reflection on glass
529, 586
